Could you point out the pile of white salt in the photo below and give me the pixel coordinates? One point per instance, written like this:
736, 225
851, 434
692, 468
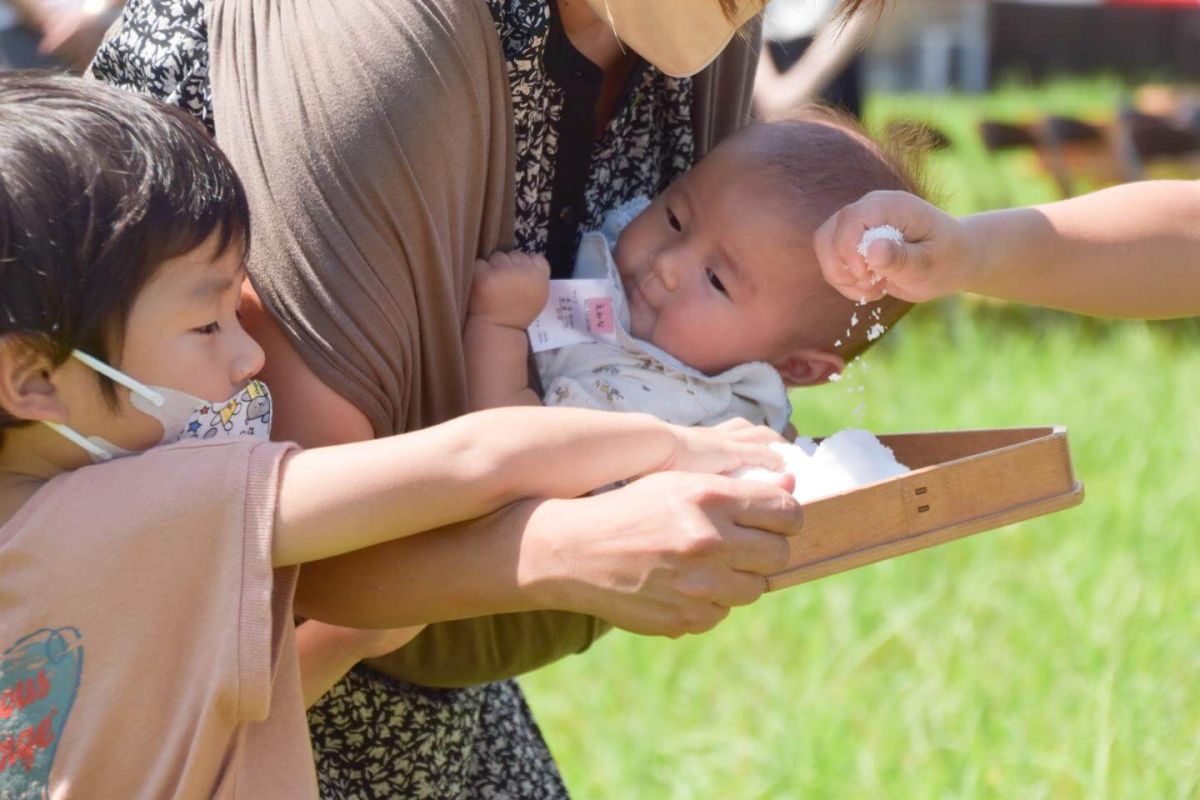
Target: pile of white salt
844, 461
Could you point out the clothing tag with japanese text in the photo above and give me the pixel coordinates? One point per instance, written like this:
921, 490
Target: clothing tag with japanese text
578, 311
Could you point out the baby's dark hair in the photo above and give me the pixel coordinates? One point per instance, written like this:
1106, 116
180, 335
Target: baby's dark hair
98, 187
824, 160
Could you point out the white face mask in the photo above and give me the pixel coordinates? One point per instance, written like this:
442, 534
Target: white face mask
182, 416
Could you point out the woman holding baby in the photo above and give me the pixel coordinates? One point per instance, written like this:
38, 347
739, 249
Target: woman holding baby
385, 147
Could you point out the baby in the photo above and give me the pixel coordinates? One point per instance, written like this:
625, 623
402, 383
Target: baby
717, 294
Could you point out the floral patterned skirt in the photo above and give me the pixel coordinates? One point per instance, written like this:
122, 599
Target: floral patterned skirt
376, 737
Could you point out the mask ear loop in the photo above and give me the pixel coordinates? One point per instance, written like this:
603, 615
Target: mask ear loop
120, 377
93, 449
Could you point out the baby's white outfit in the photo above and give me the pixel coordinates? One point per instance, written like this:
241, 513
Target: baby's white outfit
634, 375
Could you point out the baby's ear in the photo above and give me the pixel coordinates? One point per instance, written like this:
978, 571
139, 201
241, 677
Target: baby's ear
808, 367
26, 391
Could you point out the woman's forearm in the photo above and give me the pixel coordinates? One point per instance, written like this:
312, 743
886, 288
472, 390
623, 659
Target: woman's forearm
466, 570
1129, 252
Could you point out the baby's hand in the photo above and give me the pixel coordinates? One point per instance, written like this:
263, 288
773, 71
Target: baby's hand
724, 448
936, 258
510, 289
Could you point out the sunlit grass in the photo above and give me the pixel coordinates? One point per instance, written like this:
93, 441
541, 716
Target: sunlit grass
1056, 658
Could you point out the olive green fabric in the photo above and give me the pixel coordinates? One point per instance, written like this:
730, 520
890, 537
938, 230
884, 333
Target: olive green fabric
375, 140
501, 646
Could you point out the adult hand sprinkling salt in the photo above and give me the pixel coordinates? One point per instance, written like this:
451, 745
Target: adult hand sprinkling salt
885, 233
1125, 252
892, 243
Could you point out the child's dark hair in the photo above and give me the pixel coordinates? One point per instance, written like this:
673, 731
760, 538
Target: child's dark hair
98, 187
825, 160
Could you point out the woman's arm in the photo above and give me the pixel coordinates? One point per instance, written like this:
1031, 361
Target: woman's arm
669, 554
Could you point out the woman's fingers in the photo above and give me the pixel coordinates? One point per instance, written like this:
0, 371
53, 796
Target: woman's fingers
763, 506
758, 553
741, 589
665, 554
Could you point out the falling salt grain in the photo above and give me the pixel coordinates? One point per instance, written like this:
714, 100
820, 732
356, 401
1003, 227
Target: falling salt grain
837, 376
875, 331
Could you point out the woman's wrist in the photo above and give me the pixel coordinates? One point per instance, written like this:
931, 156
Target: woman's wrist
544, 578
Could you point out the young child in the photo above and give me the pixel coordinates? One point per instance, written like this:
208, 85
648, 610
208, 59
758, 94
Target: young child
1128, 252
148, 537
718, 296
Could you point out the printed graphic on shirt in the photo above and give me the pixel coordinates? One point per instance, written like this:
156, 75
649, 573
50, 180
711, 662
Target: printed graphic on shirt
39, 676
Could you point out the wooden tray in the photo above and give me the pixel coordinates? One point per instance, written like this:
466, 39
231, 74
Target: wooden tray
962, 482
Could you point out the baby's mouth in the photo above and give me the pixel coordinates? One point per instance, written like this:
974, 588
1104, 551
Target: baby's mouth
633, 293
641, 313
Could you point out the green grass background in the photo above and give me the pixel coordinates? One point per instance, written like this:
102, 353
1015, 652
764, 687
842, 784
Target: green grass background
1058, 658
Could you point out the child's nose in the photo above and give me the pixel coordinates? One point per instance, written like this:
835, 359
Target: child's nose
249, 358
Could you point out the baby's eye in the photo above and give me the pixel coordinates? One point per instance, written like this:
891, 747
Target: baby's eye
673, 220
209, 329
716, 282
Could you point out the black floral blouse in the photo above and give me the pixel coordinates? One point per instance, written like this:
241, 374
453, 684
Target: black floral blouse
567, 177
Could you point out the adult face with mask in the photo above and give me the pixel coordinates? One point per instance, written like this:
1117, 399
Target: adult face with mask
385, 146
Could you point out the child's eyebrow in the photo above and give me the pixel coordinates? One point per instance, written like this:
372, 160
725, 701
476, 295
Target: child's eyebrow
217, 285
